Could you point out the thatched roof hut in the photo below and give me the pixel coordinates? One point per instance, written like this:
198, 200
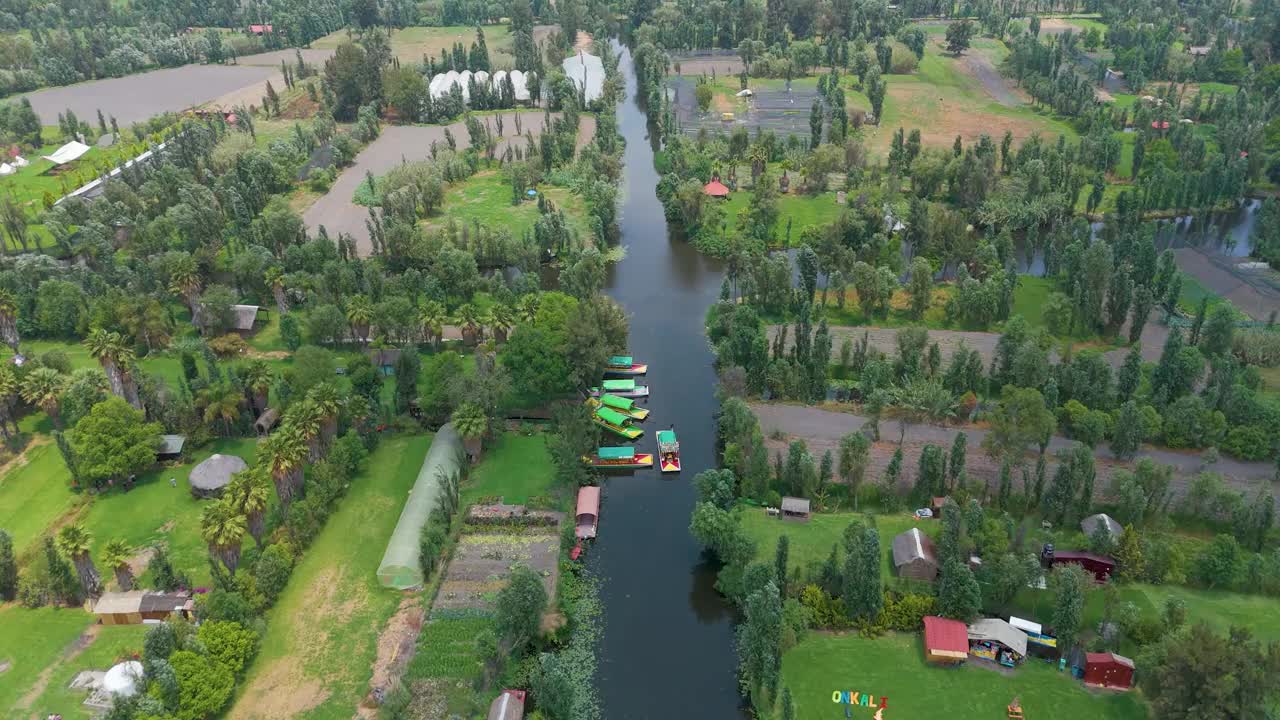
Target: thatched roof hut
211, 476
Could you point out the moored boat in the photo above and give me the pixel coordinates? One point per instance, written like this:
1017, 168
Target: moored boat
626, 388
616, 422
587, 517
625, 365
668, 451
626, 406
619, 458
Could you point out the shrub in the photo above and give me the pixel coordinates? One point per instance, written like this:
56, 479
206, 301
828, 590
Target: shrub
229, 644
904, 613
229, 345
827, 612
319, 179
1247, 442
204, 686
903, 63
271, 572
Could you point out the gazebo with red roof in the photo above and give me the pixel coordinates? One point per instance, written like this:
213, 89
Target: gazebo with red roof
945, 641
715, 188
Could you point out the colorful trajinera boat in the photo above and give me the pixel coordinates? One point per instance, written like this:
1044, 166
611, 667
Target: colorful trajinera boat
668, 451
622, 388
619, 458
626, 406
625, 365
616, 422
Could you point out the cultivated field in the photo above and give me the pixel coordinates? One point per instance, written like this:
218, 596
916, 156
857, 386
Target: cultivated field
411, 43
138, 97
482, 563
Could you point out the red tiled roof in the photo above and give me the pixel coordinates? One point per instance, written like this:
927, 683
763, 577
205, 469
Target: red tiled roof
715, 188
946, 635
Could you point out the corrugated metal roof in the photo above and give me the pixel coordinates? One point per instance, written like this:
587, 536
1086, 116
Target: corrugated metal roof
795, 505
913, 545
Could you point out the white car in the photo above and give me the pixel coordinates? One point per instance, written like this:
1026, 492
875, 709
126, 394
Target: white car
924, 514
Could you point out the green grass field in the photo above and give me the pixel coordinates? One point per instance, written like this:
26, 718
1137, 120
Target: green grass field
893, 666
410, 43
943, 99
30, 641
154, 512
811, 542
318, 653
515, 467
113, 644
803, 211
486, 198
34, 495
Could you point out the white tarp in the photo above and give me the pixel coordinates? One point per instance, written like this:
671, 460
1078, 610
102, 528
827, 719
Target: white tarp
442, 83
587, 73
67, 153
744, 93
7, 169
20, 162
123, 679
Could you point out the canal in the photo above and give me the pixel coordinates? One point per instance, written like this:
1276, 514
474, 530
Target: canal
667, 646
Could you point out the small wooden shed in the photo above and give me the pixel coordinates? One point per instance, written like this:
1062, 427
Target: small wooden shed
139, 606
171, 446
1108, 670
794, 508
915, 556
945, 641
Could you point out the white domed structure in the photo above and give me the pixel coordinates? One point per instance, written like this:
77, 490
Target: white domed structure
123, 679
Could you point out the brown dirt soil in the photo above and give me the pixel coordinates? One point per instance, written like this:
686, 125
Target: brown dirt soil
725, 66
395, 649
482, 562
138, 563
281, 692
69, 653
300, 108
268, 354
960, 119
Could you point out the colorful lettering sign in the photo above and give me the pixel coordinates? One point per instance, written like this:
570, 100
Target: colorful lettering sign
853, 697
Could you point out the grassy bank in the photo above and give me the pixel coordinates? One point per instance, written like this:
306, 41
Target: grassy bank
893, 666
32, 641
318, 653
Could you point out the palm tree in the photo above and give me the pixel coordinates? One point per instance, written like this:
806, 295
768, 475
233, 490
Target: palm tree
223, 528
307, 419
759, 157
472, 424
285, 451
469, 318
501, 318
43, 388
73, 542
115, 355
431, 318
249, 493
184, 280
527, 308
360, 316
8, 388
328, 400
258, 379
9, 319
116, 556
274, 277
220, 402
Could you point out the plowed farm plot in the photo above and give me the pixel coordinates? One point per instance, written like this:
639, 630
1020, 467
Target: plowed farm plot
482, 563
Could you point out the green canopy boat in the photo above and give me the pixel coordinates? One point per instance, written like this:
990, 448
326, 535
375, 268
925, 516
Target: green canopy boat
625, 387
621, 361
616, 422
626, 406
621, 458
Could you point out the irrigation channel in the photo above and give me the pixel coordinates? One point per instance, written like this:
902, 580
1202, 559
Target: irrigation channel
667, 646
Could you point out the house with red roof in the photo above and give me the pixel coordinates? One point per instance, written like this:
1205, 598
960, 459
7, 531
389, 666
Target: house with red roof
945, 641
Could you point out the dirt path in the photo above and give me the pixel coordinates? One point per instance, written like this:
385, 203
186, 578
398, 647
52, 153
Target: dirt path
980, 66
396, 646
71, 652
398, 143
822, 429
21, 458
